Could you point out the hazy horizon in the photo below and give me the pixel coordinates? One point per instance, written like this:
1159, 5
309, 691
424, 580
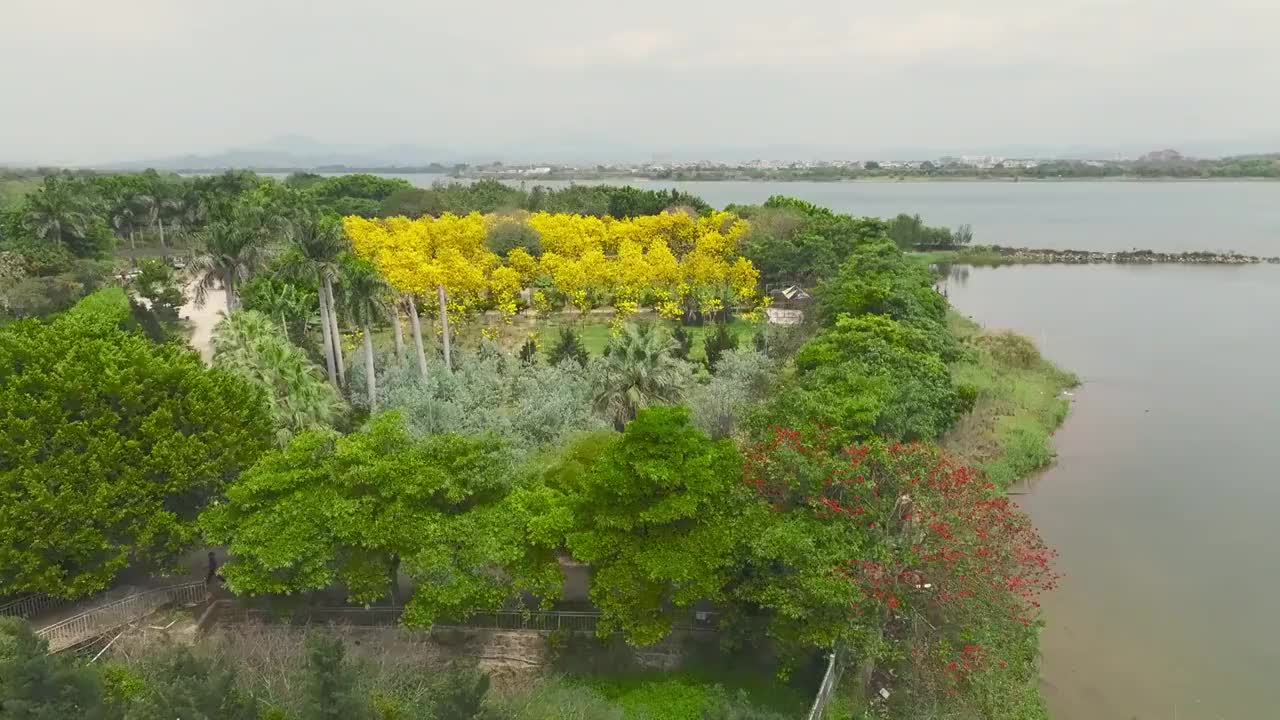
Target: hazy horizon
94, 83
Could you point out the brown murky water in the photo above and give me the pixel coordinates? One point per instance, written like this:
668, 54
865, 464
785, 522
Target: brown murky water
1165, 502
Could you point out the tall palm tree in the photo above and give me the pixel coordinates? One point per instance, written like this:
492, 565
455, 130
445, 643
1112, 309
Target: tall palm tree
234, 248
364, 293
56, 213
125, 223
248, 343
640, 370
321, 241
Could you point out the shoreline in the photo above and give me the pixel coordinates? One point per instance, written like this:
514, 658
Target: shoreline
883, 179
1022, 400
995, 256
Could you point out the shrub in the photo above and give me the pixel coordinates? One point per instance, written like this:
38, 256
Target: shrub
510, 233
1009, 348
569, 347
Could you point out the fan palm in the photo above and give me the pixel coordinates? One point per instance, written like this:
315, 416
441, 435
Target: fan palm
640, 370
365, 293
233, 249
249, 344
56, 213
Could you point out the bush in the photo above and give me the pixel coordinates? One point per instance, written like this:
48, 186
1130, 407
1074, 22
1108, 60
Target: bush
559, 700
510, 233
569, 347
717, 343
35, 685
721, 705
1009, 348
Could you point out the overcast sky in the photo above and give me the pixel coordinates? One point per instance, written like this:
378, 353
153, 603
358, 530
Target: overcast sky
98, 80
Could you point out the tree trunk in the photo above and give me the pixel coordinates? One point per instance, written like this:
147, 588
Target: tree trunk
133, 240
325, 334
395, 581
444, 327
416, 325
229, 289
370, 379
160, 224
399, 332
337, 334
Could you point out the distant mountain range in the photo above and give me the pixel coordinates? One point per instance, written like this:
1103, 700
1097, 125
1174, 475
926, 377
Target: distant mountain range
298, 152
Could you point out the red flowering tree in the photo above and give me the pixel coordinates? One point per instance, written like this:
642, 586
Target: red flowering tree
921, 567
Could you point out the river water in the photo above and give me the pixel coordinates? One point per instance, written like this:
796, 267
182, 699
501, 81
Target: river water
1170, 216
1165, 501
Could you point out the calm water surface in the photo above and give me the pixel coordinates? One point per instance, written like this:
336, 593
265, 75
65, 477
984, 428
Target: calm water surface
1171, 216
1165, 502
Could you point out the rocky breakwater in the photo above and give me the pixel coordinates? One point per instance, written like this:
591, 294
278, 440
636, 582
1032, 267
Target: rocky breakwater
1137, 257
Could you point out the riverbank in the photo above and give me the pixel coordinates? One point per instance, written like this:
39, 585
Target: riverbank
994, 256
620, 177
1021, 399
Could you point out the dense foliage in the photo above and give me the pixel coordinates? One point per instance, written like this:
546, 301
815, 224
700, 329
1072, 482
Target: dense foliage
357, 509
111, 446
769, 484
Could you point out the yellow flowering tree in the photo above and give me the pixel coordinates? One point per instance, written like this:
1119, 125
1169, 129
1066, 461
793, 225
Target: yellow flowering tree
673, 262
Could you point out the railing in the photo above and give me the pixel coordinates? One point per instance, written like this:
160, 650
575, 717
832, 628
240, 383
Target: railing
533, 620
30, 606
105, 618
827, 690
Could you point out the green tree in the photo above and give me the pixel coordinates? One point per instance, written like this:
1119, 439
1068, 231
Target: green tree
350, 509
529, 351
718, 343
640, 370
35, 685
366, 296
511, 233
178, 683
568, 346
655, 516
62, 213
289, 302
250, 345
234, 248
111, 446
683, 342
867, 376
331, 692
159, 285
321, 242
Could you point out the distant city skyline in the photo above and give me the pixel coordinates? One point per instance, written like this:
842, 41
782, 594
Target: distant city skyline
301, 152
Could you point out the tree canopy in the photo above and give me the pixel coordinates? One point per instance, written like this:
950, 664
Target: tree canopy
112, 445
654, 514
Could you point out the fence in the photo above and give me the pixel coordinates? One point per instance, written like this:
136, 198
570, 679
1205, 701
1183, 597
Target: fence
533, 620
105, 618
827, 690
30, 606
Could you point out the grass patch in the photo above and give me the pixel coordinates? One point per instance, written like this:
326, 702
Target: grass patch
979, 256
593, 329
1019, 404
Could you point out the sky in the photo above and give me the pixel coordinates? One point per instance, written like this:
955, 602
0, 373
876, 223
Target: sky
92, 81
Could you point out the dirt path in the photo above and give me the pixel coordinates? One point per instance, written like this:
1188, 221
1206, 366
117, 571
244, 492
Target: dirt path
203, 319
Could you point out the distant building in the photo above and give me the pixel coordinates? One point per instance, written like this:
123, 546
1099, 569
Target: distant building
1166, 155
